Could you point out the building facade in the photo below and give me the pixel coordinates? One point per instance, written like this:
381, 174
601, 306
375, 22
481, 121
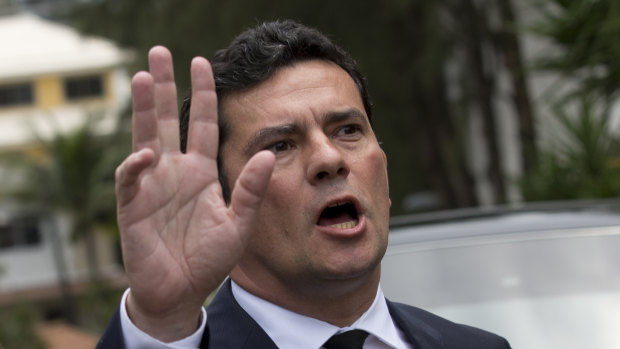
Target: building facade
52, 78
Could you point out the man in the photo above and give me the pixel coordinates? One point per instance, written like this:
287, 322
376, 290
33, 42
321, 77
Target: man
298, 218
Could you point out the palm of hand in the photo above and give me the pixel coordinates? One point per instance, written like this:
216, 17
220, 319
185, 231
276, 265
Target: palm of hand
180, 241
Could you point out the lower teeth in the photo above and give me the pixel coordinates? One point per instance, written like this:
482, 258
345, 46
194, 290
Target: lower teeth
345, 225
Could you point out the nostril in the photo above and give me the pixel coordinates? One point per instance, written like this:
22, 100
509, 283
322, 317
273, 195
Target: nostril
322, 175
327, 174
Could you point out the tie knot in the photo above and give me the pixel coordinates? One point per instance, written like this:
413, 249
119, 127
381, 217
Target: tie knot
353, 339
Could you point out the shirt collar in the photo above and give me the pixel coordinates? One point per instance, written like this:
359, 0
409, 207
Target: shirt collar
288, 329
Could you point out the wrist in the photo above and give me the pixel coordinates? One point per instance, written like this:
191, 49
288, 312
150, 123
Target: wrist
167, 327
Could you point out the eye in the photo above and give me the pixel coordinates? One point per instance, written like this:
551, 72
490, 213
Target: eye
279, 146
349, 130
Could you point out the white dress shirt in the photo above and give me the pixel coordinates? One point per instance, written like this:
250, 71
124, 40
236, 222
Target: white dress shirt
137, 339
288, 330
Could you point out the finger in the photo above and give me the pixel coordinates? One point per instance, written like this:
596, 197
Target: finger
144, 120
165, 92
203, 129
127, 175
250, 189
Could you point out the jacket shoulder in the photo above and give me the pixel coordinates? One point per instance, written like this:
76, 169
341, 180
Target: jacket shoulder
425, 327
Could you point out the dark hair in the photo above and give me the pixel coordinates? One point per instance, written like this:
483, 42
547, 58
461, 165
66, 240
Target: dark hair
255, 55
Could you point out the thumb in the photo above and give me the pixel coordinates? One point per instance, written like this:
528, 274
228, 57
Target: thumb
250, 188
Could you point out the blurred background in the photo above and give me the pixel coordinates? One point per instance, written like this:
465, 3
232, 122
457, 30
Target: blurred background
477, 103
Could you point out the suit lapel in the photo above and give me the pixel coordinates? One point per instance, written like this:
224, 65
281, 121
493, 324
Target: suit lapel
230, 327
419, 333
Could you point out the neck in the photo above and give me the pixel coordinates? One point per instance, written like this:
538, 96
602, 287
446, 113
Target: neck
338, 302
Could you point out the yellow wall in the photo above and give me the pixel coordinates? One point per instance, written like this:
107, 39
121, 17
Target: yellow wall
108, 86
48, 91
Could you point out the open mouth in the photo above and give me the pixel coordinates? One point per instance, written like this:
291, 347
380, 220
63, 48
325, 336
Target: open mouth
341, 215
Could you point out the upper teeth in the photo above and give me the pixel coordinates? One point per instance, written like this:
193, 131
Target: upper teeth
337, 204
345, 225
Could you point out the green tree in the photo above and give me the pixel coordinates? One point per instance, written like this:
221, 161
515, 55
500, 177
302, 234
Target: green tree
586, 47
585, 162
507, 41
585, 56
73, 174
76, 177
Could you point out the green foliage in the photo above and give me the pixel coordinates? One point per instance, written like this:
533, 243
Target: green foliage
587, 52
75, 174
585, 165
17, 327
97, 305
586, 33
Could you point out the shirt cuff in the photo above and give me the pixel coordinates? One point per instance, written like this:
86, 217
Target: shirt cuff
137, 339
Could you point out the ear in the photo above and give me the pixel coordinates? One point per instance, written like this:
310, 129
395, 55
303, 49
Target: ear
385, 161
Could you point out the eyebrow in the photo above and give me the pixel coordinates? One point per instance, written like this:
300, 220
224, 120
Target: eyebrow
339, 116
266, 134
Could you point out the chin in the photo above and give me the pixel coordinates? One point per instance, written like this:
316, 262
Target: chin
353, 269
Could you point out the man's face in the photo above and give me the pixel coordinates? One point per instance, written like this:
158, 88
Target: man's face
326, 210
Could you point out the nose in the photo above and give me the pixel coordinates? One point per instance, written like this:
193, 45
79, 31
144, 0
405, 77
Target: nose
325, 161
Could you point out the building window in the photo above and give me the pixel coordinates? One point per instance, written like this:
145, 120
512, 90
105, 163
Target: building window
16, 94
83, 87
22, 231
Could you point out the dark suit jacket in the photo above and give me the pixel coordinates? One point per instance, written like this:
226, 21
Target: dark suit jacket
230, 327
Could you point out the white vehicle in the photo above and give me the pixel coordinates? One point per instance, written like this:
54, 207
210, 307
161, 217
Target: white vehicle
543, 277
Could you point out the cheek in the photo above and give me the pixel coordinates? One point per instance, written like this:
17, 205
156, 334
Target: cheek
281, 222
377, 190
375, 173
283, 199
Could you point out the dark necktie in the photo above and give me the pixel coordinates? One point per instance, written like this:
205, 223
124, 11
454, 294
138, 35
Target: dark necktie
353, 339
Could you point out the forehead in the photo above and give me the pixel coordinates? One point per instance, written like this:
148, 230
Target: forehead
308, 88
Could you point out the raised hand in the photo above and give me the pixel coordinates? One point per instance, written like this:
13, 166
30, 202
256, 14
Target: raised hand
179, 239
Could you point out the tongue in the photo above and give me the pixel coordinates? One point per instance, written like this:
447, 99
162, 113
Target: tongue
340, 217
